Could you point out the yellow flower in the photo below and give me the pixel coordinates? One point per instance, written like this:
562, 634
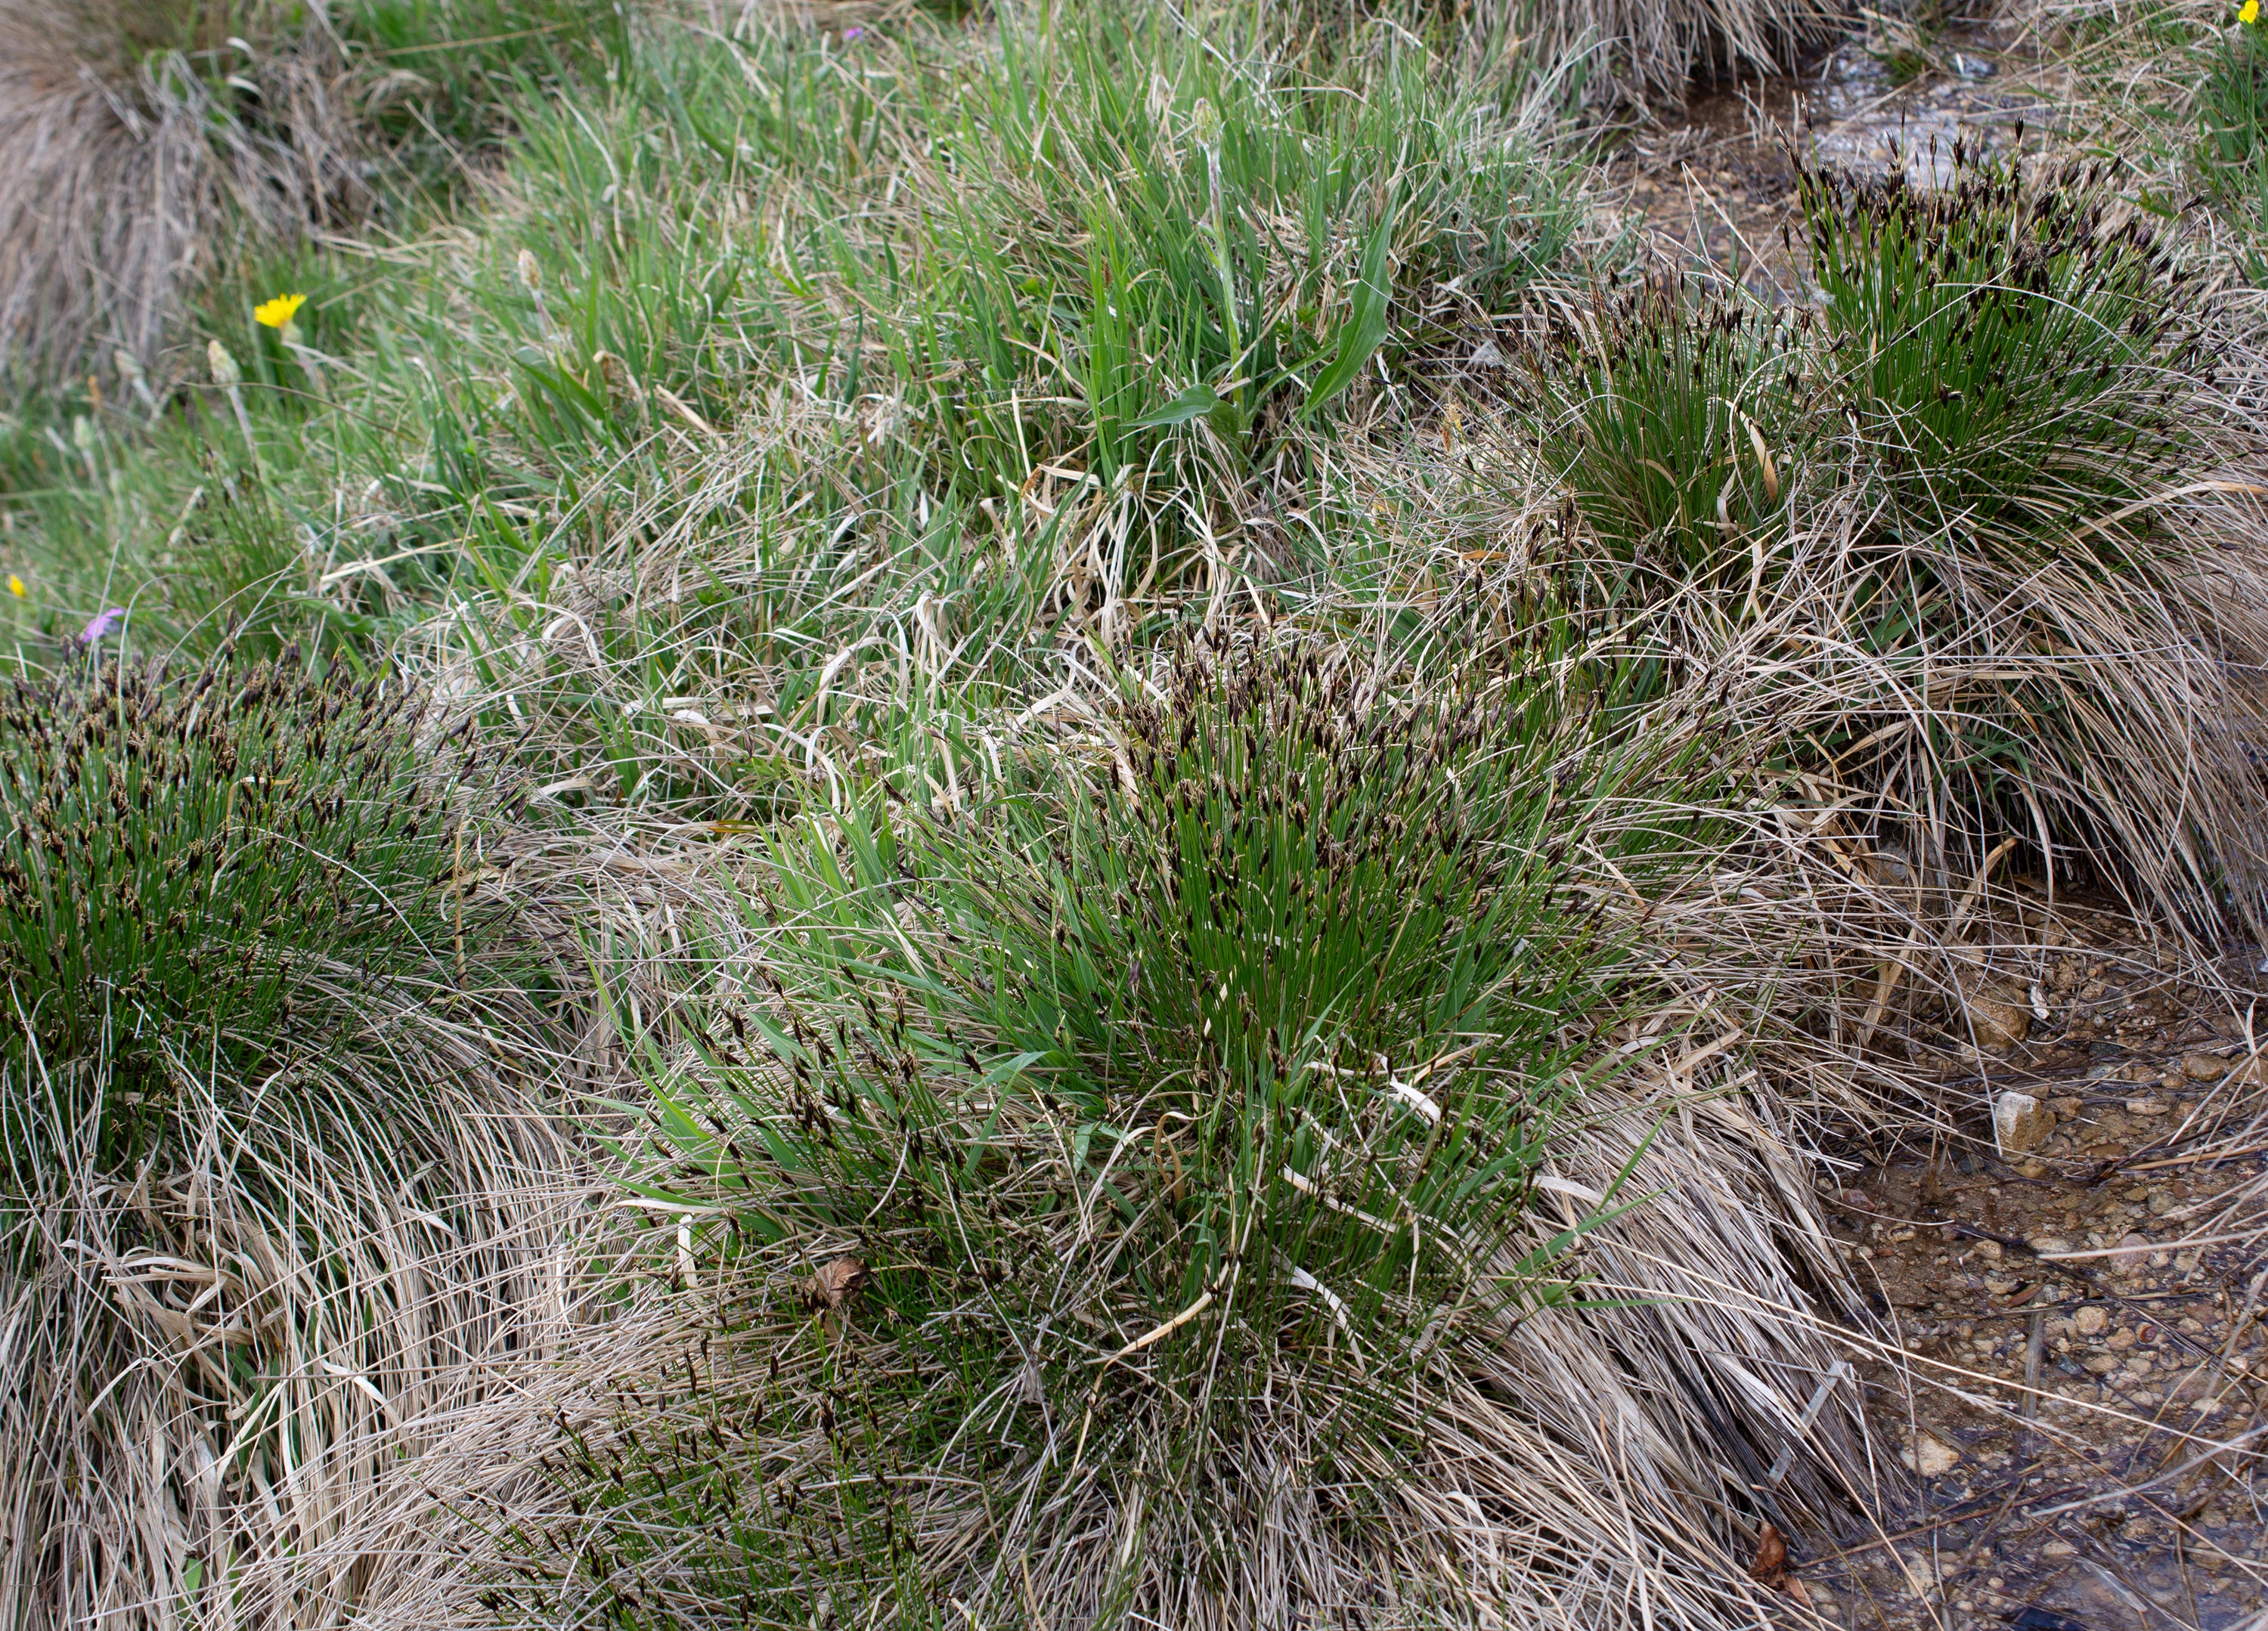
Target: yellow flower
2250, 12
276, 313
15, 586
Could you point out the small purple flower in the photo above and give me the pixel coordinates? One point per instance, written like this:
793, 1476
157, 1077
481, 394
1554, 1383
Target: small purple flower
852, 33
103, 622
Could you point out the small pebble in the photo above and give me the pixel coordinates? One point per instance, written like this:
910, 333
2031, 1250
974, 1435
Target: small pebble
2021, 1121
1930, 1456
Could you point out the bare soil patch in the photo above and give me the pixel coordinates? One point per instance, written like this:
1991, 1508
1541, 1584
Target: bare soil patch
2076, 1370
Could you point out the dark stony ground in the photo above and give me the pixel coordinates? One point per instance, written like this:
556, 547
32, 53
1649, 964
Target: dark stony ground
2087, 1375
2083, 1324
2084, 1388
2084, 1394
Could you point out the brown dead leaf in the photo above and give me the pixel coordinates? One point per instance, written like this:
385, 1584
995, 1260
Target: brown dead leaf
1770, 1567
836, 1282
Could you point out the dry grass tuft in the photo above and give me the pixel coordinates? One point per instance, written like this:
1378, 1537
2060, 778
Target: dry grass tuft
1650, 52
215, 1360
280, 1177
140, 141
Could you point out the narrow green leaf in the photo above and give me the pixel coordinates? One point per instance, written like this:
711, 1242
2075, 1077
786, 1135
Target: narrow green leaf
1193, 403
1366, 328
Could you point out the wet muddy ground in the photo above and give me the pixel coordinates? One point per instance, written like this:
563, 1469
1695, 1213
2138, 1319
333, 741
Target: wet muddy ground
1714, 186
2084, 1401
2080, 1394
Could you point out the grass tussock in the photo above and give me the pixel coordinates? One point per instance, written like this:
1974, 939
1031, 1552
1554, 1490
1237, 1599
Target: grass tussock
274, 1175
244, 849
1190, 1184
142, 143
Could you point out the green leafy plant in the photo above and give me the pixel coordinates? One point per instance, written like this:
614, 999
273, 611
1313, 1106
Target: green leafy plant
440, 77
1908, 40
995, 254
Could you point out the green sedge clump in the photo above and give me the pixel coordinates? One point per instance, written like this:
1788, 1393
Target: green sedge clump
1053, 1140
233, 871
1674, 419
2011, 351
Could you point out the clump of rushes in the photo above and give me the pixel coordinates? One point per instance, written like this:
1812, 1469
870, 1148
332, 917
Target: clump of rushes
252, 856
269, 1106
1668, 415
2011, 352
2025, 384
1996, 604
1132, 1162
